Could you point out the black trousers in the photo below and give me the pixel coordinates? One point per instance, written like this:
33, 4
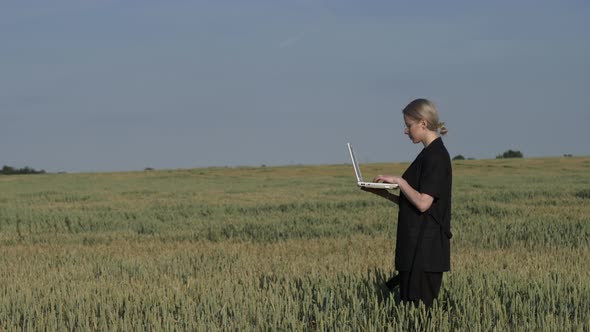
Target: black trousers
419, 286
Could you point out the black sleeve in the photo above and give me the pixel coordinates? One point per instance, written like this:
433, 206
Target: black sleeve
432, 175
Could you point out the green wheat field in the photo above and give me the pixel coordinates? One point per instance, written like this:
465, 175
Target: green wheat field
288, 248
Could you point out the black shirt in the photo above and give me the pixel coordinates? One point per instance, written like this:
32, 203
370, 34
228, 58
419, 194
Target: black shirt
431, 174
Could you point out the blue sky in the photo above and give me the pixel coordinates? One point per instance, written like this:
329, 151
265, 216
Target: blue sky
107, 85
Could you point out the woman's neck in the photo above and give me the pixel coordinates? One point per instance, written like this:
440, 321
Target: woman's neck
430, 137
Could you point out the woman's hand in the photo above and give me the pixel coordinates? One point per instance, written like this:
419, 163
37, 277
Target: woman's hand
422, 202
387, 179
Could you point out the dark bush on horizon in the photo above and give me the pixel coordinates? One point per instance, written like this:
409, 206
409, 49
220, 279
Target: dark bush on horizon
8, 170
510, 154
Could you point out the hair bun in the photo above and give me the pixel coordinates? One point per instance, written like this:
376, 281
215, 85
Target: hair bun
443, 128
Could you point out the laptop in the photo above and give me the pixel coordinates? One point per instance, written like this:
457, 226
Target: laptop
359, 176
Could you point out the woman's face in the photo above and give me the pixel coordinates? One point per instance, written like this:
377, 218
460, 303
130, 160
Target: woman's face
413, 129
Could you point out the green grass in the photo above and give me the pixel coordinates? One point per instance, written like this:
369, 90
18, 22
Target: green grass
288, 248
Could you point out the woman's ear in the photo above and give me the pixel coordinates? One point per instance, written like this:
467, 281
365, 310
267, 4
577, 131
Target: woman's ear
424, 124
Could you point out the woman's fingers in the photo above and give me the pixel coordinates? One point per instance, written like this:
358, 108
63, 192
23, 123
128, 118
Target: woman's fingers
384, 178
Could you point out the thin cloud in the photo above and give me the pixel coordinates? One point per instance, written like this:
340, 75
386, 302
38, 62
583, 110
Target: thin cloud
290, 42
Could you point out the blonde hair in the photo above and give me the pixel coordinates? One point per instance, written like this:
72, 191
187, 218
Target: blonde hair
424, 109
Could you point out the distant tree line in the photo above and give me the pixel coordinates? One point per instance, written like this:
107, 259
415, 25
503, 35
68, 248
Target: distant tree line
510, 154
461, 157
8, 170
506, 154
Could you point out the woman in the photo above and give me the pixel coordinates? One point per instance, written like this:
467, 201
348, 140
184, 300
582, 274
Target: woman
422, 250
